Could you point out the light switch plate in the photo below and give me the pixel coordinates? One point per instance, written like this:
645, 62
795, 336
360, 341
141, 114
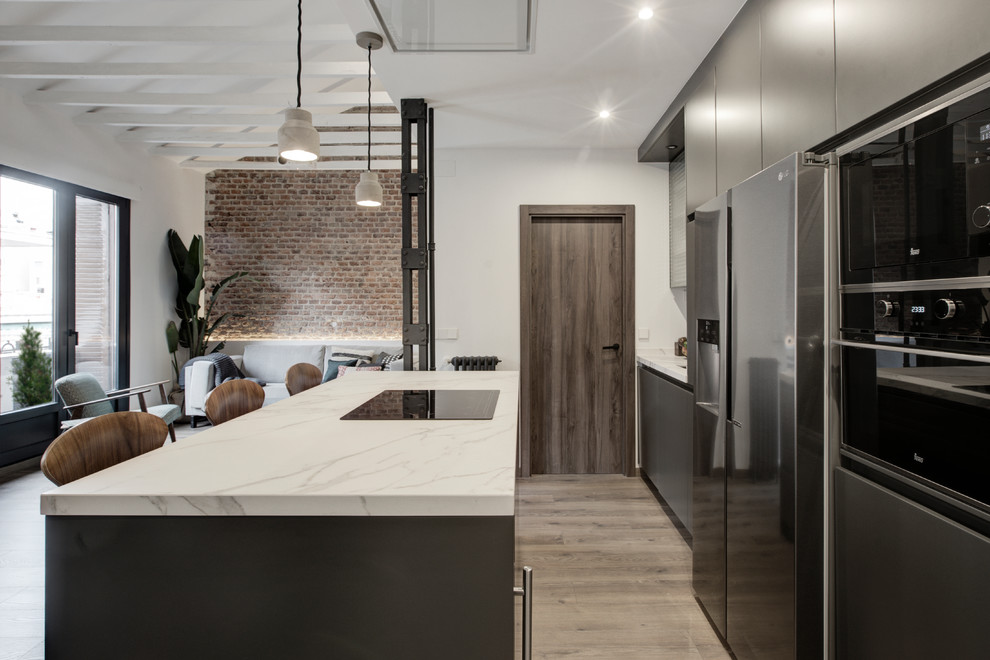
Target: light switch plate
643, 333
446, 333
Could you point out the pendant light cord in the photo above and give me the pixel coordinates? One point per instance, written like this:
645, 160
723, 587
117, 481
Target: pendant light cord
299, 59
369, 105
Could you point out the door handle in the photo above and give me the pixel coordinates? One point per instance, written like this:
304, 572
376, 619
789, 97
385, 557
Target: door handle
613, 347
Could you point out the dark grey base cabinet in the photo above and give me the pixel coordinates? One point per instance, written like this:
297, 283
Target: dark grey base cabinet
909, 583
666, 423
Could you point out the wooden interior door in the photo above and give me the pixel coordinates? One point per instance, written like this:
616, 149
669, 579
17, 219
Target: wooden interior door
577, 340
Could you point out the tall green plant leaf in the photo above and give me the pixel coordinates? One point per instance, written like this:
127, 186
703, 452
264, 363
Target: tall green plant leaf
195, 328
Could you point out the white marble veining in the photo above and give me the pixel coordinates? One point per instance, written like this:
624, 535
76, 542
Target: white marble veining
658, 359
297, 457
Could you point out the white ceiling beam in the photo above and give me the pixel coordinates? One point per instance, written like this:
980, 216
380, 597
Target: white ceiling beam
261, 137
352, 151
378, 119
117, 35
104, 70
356, 165
162, 99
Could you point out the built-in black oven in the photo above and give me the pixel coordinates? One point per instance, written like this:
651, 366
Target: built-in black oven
915, 307
919, 413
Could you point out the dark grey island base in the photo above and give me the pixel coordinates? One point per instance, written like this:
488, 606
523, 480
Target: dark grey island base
279, 587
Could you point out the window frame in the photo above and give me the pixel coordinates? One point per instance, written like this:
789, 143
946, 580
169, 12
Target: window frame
26, 433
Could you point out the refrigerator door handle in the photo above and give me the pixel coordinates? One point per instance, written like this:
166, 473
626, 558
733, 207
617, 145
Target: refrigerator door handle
710, 407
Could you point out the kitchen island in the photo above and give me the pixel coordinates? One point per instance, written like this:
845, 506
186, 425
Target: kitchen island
290, 533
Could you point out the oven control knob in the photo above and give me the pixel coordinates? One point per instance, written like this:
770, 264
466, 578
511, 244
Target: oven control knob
887, 308
946, 308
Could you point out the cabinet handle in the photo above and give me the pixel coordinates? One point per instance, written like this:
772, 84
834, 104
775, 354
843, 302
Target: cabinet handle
613, 347
526, 591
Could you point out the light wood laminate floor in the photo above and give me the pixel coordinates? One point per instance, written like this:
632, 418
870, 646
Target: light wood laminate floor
612, 576
611, 573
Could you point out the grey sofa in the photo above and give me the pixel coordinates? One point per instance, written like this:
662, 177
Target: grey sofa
268, 361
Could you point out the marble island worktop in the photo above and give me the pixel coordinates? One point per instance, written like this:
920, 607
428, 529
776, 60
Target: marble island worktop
298, 458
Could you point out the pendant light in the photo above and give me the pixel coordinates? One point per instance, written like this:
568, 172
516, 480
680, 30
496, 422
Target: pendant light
297, 139
368, 191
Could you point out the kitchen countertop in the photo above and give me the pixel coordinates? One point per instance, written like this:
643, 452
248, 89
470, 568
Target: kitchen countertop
297, 457
664, 362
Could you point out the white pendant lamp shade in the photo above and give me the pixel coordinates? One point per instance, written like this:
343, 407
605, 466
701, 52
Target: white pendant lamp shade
297, 139
369, 191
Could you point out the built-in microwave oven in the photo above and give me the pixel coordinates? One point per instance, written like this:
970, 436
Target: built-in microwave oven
915, 203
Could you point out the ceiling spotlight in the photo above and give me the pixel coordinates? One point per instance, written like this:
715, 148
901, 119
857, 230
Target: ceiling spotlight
604, 114
646, 13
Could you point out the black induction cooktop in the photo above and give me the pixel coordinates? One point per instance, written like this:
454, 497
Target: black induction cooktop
428, 404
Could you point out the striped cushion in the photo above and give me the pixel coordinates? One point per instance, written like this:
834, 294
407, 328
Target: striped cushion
346, 354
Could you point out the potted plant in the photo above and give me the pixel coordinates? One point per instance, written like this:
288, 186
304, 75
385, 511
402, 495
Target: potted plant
196, 324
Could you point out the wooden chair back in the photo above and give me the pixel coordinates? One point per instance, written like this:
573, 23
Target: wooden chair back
233, 399
301, 377
101, 442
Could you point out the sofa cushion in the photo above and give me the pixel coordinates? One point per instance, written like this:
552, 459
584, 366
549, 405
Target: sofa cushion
343, 353
386, 358
269, 362
275, 392
332, 365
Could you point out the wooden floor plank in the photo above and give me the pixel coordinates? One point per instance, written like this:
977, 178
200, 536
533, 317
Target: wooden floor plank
611, 573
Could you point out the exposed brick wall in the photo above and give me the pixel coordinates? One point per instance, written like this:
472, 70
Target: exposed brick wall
318, 258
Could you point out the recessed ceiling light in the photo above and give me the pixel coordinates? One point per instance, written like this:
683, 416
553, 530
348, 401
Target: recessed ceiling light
646, 13
604, 114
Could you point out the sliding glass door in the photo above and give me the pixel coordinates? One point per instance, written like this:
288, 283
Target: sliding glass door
63, 298
97, 322
27, 295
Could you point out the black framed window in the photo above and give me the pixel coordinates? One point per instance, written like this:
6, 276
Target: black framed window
64, 273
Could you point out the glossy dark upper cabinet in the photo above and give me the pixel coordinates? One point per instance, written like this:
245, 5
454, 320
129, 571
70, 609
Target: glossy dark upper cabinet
918, 44
798, 85
699, 142
737, 100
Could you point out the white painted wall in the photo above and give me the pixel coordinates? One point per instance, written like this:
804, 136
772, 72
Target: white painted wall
477, 199
45, 141
478, 193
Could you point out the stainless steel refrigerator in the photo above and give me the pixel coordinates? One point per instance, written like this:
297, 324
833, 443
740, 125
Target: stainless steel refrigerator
758, 287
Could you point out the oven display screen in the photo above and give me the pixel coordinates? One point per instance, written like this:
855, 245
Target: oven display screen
917, 309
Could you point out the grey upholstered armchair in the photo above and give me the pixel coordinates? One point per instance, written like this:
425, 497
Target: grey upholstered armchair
85, 398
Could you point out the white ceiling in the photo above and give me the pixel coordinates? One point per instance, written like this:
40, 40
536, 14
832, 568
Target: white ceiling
205, 82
